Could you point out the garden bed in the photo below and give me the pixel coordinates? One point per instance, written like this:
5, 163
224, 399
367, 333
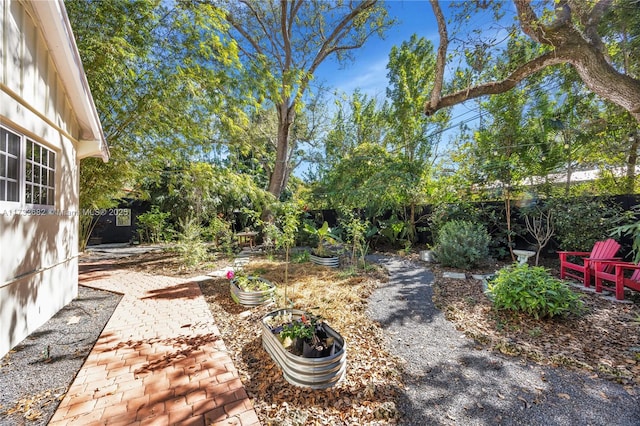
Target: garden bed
605, 340
304, 365
372, 382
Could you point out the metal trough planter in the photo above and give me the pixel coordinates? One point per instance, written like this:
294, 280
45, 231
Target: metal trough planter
252, 298
333, 262
314, 373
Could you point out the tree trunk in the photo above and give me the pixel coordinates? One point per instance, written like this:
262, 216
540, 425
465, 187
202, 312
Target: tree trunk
278, 177
569, 46
507, 205
632, 162
568, 143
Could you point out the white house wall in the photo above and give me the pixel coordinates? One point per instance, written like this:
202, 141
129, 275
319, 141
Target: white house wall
39, 251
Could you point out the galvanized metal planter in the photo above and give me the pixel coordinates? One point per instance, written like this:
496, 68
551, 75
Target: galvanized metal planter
314, 373
333, 262
252, 298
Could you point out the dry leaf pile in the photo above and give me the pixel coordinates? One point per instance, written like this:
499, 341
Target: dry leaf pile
368, 393
31, 407
604, 340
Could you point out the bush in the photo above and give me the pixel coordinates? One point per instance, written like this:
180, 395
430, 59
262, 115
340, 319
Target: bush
533, 291
190, 245
301, 257
462, 244
357, 231
580, 222
491, 215
152, 226
220, 233
445, 213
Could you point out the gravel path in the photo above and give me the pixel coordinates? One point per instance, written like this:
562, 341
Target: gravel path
450, 380
37, 372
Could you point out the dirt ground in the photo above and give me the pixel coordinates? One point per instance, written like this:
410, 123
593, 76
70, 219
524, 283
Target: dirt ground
604, 341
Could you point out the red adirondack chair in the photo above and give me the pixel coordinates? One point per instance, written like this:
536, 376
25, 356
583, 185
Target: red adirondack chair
624, 274
602, 250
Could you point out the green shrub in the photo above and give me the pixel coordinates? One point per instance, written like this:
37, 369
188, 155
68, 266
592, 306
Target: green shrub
580, 222
462, 244
190, 245
491, 215
631, 230
357, 231
152, 225
301, 257
220, 233
533, 291
447, 212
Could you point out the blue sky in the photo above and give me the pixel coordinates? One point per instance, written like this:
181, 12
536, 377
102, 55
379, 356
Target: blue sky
368, 71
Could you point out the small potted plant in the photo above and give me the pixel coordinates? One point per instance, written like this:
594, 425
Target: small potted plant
321, 255
249, 290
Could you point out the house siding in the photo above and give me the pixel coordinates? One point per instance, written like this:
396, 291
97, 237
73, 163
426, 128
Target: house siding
39, 261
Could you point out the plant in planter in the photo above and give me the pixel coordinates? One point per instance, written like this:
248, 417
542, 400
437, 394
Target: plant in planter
250, 290
324, 236
308, 351
322, 255
306, 337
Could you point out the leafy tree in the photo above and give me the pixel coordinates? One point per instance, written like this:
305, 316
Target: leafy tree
156, 100
565, 32
204, 191
411, 68
283, 44
253, 149
498, 149
581, 221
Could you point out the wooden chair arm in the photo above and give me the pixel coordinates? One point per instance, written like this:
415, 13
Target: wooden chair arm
575, 253
605, 259
626, 265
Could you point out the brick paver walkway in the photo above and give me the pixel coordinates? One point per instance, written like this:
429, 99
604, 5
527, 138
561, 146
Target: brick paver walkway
159, 360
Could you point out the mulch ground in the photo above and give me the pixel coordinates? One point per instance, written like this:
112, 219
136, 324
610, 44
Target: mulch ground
604, 341
368, 392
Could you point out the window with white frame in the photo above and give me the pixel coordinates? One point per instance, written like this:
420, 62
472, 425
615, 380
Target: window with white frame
9, 166
27, 170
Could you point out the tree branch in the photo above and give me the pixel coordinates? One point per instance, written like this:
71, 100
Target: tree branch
591, 26
335, 34
286, 33
570, 45
441, 59
496, 87
229, 17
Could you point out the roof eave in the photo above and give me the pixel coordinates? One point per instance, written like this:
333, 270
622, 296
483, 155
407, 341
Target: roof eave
57, 32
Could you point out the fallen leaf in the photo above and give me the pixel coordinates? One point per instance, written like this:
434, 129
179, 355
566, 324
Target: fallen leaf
526, 403
564, 395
